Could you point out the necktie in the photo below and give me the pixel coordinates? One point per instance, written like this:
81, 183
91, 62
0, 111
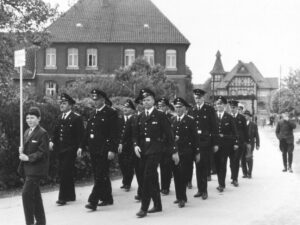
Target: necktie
30, 131
63, 116
147, 113
178, 119
219, 115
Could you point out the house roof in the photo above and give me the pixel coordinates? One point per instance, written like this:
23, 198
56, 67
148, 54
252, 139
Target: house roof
248, 69
116, 21
218, 66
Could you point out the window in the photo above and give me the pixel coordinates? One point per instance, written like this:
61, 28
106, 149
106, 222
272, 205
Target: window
51, 58
50, 88
242, 86
91, 57
171, 59
149, 56
73, 58
129, 57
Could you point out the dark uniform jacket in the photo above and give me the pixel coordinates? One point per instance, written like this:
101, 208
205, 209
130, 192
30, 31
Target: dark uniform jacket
101, 135
68, 133
284, 130
205, 120
241, 126
36, 147
253, 134
125, 133
185, 135
226, 131
154, 132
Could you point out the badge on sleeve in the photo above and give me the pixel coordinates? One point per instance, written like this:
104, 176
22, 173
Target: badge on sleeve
92, 136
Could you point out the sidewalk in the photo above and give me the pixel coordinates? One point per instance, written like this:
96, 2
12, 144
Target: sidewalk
270, 198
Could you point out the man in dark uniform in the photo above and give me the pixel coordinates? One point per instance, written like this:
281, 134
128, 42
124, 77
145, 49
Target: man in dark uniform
125, 149
225, 140
205, 119
187, 141
66, 141
152, 129
243, 141
285, 134
101, 139
166, 158
247, 156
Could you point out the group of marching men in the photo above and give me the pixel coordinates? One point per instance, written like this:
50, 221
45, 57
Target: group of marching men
149, 134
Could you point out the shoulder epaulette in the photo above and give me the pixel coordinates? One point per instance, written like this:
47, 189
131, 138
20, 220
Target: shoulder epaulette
190, 116
76, 113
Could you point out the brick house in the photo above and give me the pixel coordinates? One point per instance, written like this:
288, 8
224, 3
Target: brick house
244, 83
99, 36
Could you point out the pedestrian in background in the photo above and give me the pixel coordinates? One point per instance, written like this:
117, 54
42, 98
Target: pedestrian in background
247, 156
285, 134
34, 166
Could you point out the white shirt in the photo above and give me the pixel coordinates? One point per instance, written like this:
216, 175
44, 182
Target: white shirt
98, 110
149, 111
180, 118
200, 106
65, 115
220, 114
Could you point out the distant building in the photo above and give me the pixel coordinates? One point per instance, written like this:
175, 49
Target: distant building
244, 83
99, 36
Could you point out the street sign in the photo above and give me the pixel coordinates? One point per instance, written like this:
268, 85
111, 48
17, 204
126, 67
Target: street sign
20, 58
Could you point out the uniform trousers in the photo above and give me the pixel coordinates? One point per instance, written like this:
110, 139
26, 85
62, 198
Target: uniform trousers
287, 152
247, 161
180, 173
235, 158
150, 187
138, 174
102, 185
126, 162
202, 170
66, 174
165, 171
221, 157
32, 201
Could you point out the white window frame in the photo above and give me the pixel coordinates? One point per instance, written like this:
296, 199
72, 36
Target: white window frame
50, 58
93, 53
50, 88
129, 57
171, 59
72, 58
149, 56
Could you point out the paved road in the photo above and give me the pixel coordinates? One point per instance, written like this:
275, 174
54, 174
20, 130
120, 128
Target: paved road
270, 198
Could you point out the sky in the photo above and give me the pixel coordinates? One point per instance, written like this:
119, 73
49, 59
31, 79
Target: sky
265, 32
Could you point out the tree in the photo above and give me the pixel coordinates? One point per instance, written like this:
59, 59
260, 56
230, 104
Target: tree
141, 75
22, 25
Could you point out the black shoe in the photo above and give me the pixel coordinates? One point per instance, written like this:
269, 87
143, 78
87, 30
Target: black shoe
284, 170
123, 186
208, 178
198, 194
176, 201
290, 170
91, 206
204, 196
232, 182
189, 185
220, 189
61, 202
141, 214
165, 192
127, 188
138, 198
235, 183
249, 176
245, 176
181, 204
106, 203
154, 210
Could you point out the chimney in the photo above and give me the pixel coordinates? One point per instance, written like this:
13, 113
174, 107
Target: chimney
104, 3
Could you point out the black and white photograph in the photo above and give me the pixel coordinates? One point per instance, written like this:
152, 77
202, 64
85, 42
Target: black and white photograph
121, 112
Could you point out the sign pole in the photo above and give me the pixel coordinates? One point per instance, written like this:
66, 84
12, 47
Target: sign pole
20, 61
21, 107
